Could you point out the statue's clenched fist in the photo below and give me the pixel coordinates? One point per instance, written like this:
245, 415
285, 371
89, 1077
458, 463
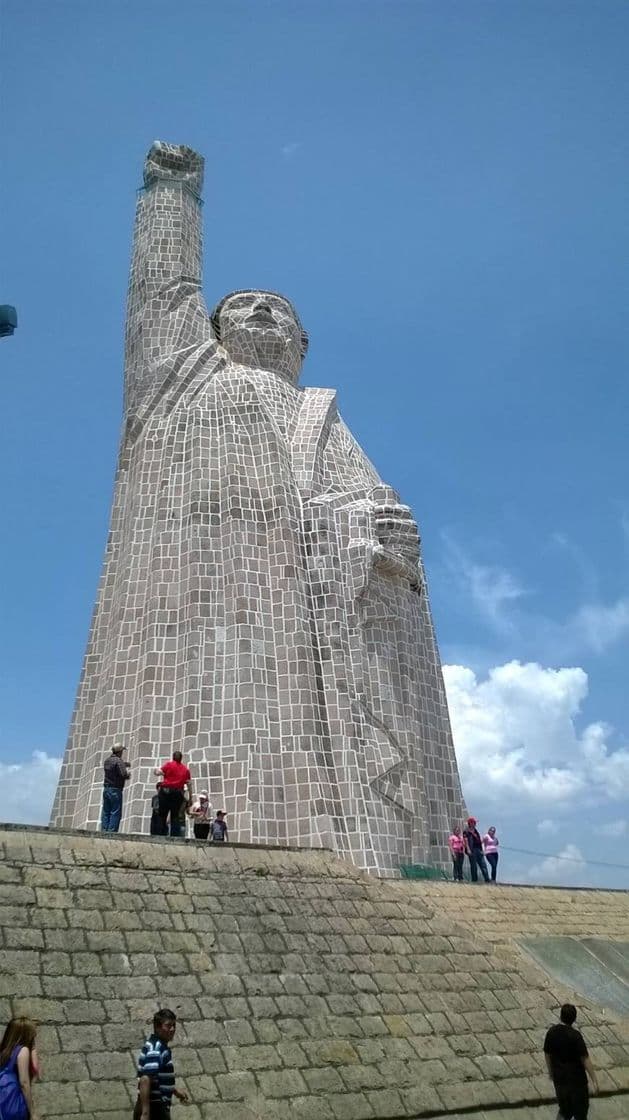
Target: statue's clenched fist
397, 531
176, 162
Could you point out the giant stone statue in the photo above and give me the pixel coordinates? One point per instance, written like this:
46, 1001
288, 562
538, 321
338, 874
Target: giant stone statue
262, 604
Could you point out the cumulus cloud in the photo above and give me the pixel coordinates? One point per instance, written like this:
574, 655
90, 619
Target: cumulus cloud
516, 735
567, 867
27, 789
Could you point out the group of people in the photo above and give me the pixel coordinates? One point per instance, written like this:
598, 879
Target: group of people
480, 851
19, 1069
172, 803
565, 1052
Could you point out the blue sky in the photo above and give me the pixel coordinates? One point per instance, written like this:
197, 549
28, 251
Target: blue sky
441, 189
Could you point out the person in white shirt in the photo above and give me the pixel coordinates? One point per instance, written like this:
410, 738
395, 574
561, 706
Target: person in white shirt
490, 848
201, 812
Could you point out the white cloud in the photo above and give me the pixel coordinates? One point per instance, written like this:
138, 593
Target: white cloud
519, 722
492, 589
497, 594
566, 867
27, 789
612, 829
516, 735
598, 625
547, 827
609, 770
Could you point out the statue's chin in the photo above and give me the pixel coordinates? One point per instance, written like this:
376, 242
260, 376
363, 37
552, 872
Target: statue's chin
266, 350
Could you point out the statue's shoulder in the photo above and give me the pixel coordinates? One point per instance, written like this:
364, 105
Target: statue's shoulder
316, 414
313, 398
314, 391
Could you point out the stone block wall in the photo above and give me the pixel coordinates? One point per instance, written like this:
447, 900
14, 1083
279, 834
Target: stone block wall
504, 913
305, 989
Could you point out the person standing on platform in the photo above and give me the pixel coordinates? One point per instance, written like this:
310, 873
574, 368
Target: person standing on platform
156, 820
186, 802
219, 828
456, 844
474, 849
175, 776
116, 775
200, 811
569, 1064
490, 849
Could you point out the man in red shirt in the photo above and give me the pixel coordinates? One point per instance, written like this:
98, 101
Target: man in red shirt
174, 777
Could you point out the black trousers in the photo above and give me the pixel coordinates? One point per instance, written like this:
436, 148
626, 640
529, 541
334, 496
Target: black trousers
156, 824
158, 1111
492, 860
477, 860
201, 830
573, 1101
170, 806
457, 866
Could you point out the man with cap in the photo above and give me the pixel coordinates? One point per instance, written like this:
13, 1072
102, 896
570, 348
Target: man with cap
116, 775
201, 811
474, 849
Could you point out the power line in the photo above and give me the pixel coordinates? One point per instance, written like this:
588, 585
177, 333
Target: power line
569, 859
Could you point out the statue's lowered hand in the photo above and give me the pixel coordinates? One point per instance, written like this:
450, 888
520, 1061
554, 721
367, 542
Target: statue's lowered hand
397, 532
175, 162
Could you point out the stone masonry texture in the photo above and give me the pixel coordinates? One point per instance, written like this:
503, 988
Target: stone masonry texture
305, 989
262, 605
511, 913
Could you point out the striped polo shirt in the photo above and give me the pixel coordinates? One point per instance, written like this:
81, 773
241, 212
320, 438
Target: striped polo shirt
156, 1061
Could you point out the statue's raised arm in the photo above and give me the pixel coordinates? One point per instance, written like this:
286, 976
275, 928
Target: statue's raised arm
165, 310
174, 163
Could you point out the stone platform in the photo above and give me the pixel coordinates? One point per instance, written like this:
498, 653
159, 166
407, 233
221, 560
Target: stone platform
305, 989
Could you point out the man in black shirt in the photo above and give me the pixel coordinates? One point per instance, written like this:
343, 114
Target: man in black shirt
116, 774
568, 1063
474, 849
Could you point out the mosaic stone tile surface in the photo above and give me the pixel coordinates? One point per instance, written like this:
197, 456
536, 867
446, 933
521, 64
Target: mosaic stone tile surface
304, 989
262, 605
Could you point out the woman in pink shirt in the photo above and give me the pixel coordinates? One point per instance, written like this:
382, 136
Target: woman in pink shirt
456, 844
490, 848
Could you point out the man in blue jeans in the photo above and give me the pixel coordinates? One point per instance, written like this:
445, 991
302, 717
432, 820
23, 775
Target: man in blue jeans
116, 774
474, 849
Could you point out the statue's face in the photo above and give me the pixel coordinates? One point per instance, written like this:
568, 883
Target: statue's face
259, 329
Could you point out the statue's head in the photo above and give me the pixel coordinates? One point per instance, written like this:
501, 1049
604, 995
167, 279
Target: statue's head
261, 330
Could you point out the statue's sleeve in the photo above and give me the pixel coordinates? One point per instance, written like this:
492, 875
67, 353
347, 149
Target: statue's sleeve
347, 468
383, 529
165, 309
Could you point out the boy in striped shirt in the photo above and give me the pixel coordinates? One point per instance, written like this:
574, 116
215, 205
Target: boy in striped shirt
156, 1073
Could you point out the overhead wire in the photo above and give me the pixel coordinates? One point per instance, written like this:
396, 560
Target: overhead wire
568, 859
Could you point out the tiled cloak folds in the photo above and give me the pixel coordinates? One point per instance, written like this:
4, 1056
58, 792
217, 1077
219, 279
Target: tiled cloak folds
253, 611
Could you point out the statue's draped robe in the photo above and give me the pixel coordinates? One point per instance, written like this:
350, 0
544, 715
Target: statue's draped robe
249, 613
